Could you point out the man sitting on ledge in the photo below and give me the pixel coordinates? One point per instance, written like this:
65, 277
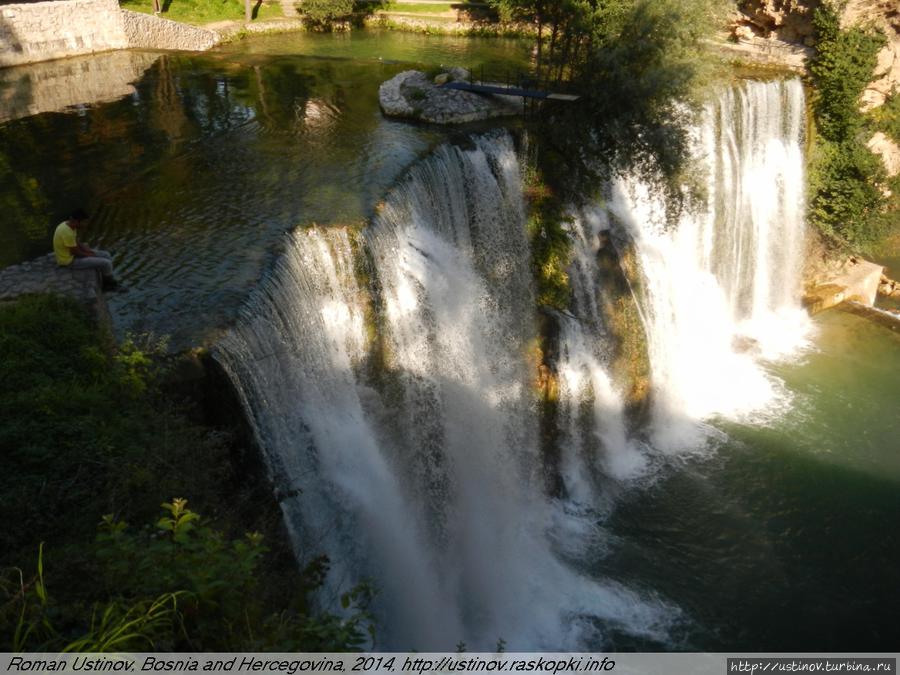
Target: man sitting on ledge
77, 256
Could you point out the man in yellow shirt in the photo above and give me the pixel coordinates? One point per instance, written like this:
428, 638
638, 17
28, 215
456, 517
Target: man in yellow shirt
70, 253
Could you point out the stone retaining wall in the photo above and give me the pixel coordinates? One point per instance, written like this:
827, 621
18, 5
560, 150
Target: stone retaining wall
43, 275
42, 31
151, 32
51, 30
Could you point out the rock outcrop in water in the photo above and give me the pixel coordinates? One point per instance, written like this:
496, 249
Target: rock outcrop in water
412, 95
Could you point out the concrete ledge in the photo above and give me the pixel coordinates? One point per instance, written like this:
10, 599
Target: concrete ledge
857, 280
43, 275
889, 320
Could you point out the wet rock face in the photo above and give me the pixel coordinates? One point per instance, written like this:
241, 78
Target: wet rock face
413, 95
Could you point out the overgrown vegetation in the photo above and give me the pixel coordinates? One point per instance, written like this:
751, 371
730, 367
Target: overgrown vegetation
88, 430
550, 244
849, 189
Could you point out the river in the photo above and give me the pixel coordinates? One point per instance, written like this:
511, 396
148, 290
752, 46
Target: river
770, 528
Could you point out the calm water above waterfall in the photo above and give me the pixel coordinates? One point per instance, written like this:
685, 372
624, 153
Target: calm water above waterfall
389, 370
196, 170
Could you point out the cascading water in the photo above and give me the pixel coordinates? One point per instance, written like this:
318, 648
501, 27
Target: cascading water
414, 461
592, 420
721, 287
399, 418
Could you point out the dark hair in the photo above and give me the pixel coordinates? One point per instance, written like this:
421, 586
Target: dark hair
79, 214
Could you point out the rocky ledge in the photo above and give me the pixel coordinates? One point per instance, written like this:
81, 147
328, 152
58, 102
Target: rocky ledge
43, 275
413, 95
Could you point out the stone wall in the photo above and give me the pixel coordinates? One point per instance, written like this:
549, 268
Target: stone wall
43, 31
151, 32
51, 30
43, 275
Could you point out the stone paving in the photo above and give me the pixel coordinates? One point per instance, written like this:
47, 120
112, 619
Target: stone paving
43, 275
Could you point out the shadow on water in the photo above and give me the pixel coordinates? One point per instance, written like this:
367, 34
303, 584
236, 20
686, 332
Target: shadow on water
767, 549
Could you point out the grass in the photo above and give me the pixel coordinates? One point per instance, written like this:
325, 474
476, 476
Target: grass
204, 11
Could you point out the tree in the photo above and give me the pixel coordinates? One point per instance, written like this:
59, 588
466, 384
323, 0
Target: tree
322, 13
634, 63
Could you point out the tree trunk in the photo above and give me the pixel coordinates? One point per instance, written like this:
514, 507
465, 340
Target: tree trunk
248, 10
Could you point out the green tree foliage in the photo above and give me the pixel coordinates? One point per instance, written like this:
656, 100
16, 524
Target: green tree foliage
635, 64
326, 11
322, 14
843, 66
847, 182
887, 117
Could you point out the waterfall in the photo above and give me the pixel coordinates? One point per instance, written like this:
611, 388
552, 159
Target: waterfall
388, 377
398, 418
721, 288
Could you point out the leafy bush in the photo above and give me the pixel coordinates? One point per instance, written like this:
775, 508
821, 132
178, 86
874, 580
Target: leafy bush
87, 428
843, 66
85, 423
887, 117
847, 199
323, 12
847, 182
181, 586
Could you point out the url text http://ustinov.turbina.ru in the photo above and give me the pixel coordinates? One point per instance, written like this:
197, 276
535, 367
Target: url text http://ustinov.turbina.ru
822, 664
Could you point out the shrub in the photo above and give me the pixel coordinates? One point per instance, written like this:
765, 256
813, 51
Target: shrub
181, 586
847, 182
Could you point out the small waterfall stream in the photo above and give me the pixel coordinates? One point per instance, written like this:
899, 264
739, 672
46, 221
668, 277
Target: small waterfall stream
722, 287
387, 376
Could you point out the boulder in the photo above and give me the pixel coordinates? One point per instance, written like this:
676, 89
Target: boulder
412, 95
458, 74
